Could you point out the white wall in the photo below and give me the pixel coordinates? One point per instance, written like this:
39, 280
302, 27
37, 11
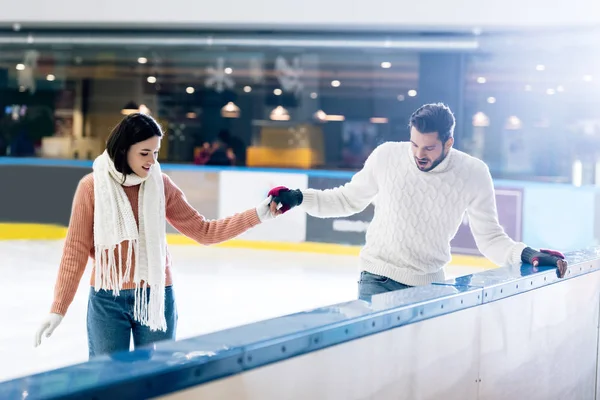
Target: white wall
307, 14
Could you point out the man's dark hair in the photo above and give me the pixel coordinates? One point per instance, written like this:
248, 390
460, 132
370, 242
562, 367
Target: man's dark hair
436, 117
132, 129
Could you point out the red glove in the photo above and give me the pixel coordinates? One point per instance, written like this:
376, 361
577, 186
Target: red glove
286, 197
551, 258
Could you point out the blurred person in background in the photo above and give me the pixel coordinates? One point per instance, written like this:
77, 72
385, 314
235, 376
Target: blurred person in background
221, 152
423, 189
118, 219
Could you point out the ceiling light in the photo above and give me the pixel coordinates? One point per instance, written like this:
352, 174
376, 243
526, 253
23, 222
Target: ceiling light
386, 64
50, 77
320, 116
412, 93
280, 114
20, 67
335, 83
481, 79
513, 123
247, 89
151, 79
491, 100
190, 90
480, 120
277, 92
143, 109
142, 60
378, 120
540, 67
230, 110
130, 108
228, 71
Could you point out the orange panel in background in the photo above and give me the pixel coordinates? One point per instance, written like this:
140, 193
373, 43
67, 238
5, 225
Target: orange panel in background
293, 146
284, 158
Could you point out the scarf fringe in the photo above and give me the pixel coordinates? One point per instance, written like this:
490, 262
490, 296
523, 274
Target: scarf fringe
109, 272
149, 305
146, 300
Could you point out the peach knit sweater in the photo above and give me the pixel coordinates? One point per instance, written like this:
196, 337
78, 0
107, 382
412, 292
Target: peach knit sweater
79, 243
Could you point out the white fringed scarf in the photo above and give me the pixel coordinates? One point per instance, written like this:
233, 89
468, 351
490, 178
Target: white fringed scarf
114, 223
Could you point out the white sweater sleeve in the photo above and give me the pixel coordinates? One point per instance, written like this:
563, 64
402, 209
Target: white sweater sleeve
349, 199
489, 235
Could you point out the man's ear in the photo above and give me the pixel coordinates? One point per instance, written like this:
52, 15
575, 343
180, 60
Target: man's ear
449, 144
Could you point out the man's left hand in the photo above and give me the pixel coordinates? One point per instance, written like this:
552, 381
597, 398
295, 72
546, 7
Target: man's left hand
545, 258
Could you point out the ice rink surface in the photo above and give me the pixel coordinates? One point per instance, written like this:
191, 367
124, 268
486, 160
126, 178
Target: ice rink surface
215, 288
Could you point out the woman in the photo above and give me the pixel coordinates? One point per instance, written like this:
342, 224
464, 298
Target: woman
118, 218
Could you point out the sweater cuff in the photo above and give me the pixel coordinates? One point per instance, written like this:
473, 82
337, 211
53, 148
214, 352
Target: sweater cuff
252, 218
309, 199
517, 251
59, 308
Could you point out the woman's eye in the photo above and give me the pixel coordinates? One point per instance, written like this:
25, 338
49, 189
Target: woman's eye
144, 154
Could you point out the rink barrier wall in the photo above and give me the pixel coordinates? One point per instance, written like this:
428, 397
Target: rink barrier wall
528, 211
438, 331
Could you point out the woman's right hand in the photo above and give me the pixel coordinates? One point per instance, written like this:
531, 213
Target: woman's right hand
48, 326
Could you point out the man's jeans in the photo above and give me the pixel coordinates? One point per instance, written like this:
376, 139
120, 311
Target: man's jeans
110, 322
371, 284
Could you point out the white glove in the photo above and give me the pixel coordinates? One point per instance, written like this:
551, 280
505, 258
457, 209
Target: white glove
48, 326
264, 211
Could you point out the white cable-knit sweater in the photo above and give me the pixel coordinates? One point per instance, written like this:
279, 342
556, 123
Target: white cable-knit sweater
418, 213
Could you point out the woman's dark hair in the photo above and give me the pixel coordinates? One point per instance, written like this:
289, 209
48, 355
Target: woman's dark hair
133, 129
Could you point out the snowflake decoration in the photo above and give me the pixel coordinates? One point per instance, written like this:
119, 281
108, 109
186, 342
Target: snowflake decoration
217, 77
26, 77
256, 70
289, 75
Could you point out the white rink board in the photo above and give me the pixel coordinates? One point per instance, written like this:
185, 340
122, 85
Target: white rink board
538, 345
411, 362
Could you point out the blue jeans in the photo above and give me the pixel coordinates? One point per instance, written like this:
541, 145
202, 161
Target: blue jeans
371, 284
110, 322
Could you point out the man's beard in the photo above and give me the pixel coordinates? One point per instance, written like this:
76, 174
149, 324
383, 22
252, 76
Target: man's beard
434, 164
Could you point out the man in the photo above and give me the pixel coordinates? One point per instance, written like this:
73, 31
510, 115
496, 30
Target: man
422, 189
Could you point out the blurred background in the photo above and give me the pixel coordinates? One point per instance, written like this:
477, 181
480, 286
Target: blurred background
232, 86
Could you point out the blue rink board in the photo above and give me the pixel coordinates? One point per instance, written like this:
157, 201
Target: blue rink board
316, 173
173, 366
52, 162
